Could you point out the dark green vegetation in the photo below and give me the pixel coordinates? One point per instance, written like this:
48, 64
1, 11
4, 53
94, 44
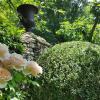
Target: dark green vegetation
57, 20
71, 72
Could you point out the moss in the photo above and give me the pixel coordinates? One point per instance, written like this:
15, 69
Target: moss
71, 72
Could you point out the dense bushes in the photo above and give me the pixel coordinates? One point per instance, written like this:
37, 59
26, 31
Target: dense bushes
71, 72
79, 30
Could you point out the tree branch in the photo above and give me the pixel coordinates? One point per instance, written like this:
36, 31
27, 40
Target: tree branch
93, 29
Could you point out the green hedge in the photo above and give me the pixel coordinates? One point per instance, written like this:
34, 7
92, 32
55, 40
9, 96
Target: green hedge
71, 72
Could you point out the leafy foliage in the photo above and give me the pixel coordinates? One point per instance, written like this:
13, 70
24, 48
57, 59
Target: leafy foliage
80, 29
53, 13
9, 32
71, 72
18, 87
53, 19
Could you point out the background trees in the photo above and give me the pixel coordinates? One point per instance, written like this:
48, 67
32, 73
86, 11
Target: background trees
79, 15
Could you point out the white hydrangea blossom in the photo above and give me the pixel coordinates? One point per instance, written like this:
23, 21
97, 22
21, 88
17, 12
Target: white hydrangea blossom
9, 61
3, 50
32, 68
3, 85
6, 61
17, 61
5, 76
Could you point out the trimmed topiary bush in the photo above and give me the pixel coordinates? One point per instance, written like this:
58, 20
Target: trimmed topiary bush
71, 72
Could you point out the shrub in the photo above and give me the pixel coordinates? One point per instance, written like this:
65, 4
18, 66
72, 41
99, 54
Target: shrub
69, 32
78, 30
71, 72
12, 38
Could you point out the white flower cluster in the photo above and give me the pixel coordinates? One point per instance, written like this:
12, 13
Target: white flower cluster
15, 61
